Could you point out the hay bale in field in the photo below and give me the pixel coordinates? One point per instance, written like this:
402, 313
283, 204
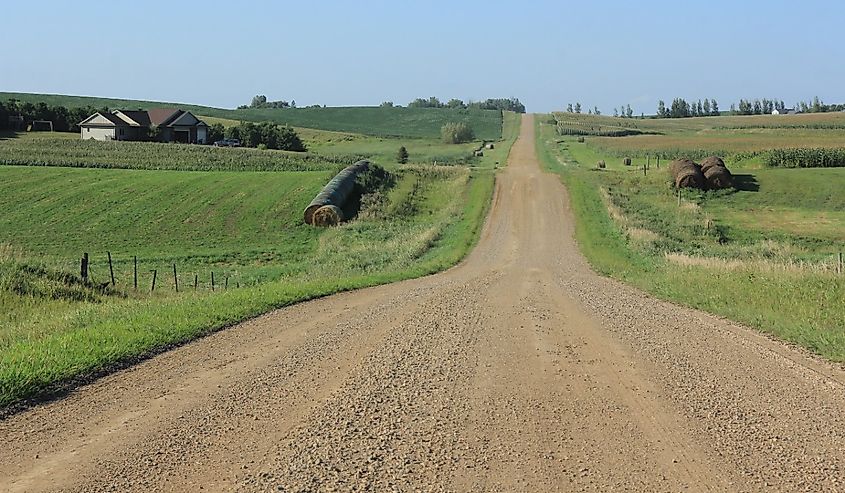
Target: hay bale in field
336, 191
601, 164
580, 139
478, 153
490, 146
626, 161
718, 177
327, 215
686, 174
710, 162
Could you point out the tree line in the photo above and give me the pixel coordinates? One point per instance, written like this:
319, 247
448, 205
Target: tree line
767, 106
680, 108
260, 101
576, 108
265, 135
502, 104
64, 119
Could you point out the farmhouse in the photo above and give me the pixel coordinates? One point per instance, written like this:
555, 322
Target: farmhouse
784, 111
160, 124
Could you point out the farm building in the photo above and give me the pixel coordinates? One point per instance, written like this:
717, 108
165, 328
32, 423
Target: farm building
784, 111
172, 125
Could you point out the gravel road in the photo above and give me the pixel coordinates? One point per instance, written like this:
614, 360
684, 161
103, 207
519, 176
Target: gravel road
518, 370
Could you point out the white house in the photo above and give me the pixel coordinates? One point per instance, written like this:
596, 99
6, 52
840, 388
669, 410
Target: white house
171, 125
785, 111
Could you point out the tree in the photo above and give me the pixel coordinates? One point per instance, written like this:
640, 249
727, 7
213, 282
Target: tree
258, 101
758, 107
596, 110
629, 113
569, 108
817, 105
661, 109
402, 155
577, 107
386, 104
706, 107
615, 113
215, 132
456, 133
714, 108
456, 104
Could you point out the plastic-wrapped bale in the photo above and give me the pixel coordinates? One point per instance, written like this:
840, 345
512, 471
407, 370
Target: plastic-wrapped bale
327, 215
626, 161
718, 177
336, 191
686, 174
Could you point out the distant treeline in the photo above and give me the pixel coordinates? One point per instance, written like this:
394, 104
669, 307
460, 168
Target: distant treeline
511, 104
767, 106
64, 119
680, 108
260, 101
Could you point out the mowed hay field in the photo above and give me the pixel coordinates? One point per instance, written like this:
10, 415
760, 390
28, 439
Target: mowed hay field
245, 226
765, 253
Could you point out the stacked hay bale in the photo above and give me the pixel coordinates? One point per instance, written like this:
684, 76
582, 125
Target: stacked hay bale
325, 209
716, 174
686, 174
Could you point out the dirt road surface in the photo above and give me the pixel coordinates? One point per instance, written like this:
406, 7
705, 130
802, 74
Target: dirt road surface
519, 370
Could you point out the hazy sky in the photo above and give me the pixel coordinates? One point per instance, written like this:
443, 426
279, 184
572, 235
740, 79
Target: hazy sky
547, 53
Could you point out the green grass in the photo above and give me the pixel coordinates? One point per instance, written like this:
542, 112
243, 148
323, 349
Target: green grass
729, 253
247, 224
369, 120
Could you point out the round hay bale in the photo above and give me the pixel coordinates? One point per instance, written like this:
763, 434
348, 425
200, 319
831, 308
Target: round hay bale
327, 215
718, 177
712, 161
601, 164
686, 174
626, 161
490, 146
580, 139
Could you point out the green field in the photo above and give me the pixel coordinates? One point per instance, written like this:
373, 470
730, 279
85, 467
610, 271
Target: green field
147, 201
369, 120
764, 254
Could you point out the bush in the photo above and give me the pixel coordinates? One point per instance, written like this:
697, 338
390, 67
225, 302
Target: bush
402, 155
457, 133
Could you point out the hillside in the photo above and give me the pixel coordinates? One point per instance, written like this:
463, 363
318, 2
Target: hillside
369, 120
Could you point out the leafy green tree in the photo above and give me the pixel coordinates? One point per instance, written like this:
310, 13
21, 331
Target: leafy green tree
596, 110
215, 132
455, 104
661, 109
386, 104
714, 108
615, 112
577, 107
629, 113
569, 108
402, 156
706, 107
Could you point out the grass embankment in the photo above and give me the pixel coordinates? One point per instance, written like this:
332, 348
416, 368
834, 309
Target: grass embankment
369, 120
426, 223
729, 253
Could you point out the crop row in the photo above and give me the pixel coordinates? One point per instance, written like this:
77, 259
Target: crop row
156, 156
818, 157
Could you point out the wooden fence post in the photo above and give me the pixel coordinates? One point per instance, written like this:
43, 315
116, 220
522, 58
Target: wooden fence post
153, 287
226, 285
839, 264
175, 279
111, 269
679, 196
135, 272
212, 280
83, 268
196, 281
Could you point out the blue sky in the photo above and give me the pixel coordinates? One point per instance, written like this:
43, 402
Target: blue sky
546, 53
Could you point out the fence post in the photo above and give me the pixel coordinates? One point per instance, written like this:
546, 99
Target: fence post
658, 161
839, 264
175, 279
111, 269
212, 280
679, 196
135, 272
226, 285
196, 281
83, 268
153, 287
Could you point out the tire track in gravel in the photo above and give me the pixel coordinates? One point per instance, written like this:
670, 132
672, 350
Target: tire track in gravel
518, 370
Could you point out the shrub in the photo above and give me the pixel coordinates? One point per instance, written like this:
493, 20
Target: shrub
457, 133
402, 155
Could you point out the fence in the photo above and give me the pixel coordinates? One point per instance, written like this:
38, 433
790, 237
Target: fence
86, 273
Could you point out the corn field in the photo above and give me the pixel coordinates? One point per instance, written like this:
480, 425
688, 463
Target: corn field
157, 156
806, 158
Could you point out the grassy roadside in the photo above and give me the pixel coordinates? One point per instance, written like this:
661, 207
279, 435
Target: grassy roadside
802, 307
